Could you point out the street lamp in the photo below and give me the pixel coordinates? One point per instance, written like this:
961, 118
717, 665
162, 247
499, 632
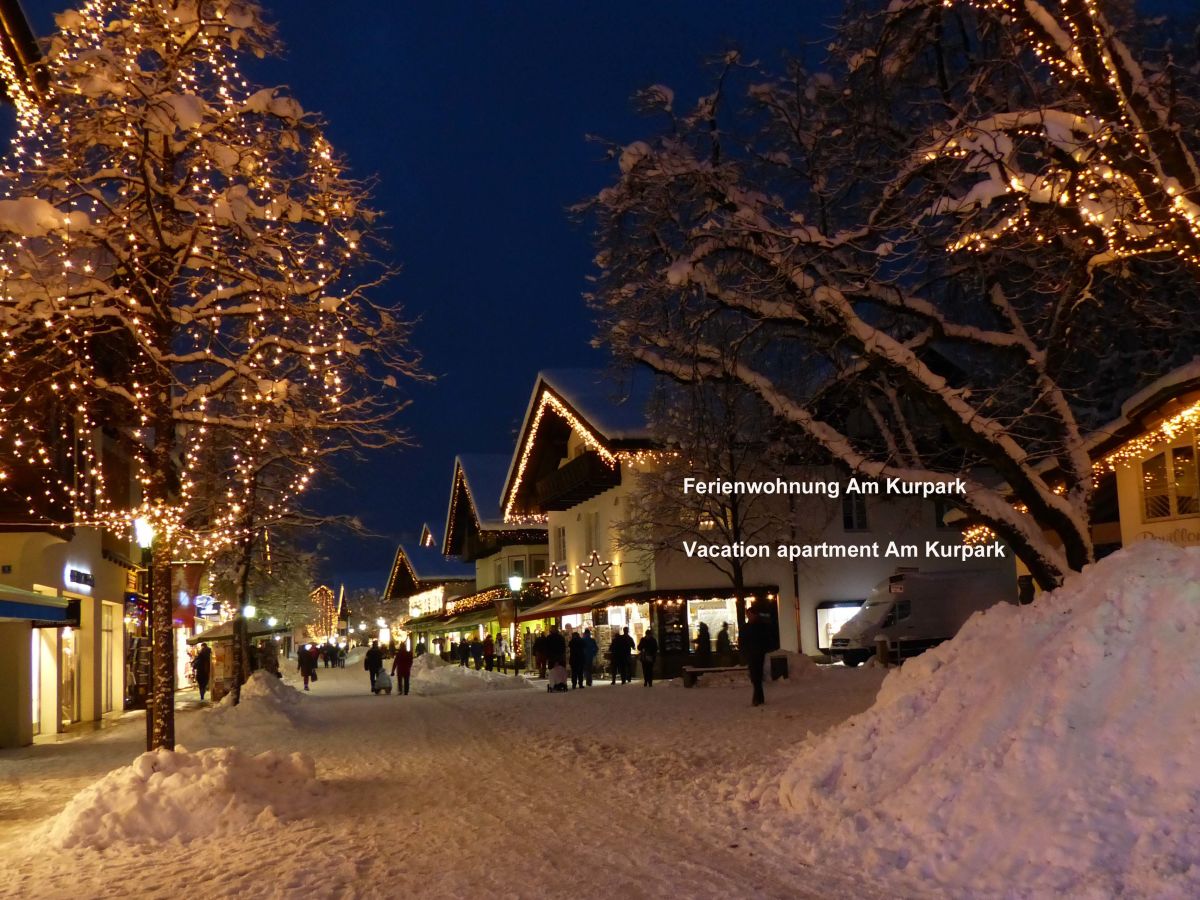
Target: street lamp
272, 622
249, 610
143, 534
514, 585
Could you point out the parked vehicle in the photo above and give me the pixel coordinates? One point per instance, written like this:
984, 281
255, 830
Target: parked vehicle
918, 610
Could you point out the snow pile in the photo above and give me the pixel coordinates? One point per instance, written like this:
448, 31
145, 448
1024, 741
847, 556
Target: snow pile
427, 662
1047, 749
431, 678
265, 698
167, 794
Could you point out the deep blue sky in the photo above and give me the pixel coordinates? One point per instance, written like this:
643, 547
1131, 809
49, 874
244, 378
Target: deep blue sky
473, 115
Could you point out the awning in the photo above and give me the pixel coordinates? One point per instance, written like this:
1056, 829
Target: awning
16, 603
584, 601
471, 619
224, 631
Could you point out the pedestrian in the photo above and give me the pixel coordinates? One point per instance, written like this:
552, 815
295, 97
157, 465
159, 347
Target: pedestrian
724, 645
539, 653
464, 652
622, 655
202, 668
577, 653
648, 648
489, 652
502, 652
593, 650
703, 646
268, 658
326, 656
477, 652
373, 662
755, 641
556, 648
402, 669
341, 651
308, 657
420, 649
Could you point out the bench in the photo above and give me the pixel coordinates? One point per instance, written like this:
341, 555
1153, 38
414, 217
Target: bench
691, 673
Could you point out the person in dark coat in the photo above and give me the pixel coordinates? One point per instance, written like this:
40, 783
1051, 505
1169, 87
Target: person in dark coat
464, 652
402, 668
539, 654
648, 648
622, 656
308, 657
556, 648
755, 641
373, 662
703, 646
202, 668
724, 645
477, 652
593, 650
577, 652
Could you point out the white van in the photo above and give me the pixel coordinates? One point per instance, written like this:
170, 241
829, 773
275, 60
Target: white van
917, 610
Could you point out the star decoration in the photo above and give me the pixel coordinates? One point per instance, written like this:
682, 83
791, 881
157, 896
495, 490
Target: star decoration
558, 579
594, 571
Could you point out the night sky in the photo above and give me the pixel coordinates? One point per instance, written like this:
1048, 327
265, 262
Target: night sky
474, 117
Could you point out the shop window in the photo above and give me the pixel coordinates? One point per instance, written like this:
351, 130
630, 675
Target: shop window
1170, 486
854, 512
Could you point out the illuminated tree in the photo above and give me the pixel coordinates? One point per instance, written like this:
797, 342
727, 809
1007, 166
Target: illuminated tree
907, 255
187, 269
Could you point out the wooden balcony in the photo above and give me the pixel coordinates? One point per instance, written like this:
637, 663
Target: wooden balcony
581, 479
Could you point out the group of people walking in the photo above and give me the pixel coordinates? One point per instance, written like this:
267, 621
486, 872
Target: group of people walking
489, 653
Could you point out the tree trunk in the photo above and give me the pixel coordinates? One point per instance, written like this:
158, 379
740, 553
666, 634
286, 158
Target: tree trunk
161, 707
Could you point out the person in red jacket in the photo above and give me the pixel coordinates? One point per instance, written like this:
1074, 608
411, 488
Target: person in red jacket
489, 652
402, 668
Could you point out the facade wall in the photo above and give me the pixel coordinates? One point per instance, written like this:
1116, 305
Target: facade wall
68, 674
528, 560
1136, 497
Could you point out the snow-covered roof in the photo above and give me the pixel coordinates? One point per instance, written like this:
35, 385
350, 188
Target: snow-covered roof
423, 567
610, 413
484, 474
1175, 383
615, 408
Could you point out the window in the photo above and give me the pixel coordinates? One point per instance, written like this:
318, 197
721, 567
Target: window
903, 610
1170, 485
707, 522
537, 566
560, 544
499, 573
517, 566
854, 512
593, 532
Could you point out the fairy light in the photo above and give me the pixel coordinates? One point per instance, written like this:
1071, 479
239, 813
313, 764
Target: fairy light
1185, 422
1127, 204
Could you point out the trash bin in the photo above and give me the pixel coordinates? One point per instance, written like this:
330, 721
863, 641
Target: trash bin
779, 666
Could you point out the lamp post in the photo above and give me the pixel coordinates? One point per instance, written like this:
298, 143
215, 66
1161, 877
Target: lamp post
514, 586
143, 534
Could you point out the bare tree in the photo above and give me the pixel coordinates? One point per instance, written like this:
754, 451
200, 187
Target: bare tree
820, 220
714, 431
191, 261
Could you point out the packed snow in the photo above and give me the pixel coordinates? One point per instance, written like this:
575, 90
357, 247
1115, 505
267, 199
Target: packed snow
264, 698
167, 795
1049, 749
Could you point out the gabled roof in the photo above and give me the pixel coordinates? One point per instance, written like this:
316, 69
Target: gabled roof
420, 568
474, 498
609, 414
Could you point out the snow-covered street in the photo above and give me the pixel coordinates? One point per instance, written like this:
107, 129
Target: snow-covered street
451, 792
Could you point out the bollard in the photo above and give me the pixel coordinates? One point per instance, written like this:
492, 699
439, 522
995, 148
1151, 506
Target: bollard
881, 651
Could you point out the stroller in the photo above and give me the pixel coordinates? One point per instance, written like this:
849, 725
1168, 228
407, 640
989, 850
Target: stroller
383, 682
556, 678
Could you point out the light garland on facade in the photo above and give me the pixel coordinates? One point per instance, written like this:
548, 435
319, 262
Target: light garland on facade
557, 576
1168, 431
475, 601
